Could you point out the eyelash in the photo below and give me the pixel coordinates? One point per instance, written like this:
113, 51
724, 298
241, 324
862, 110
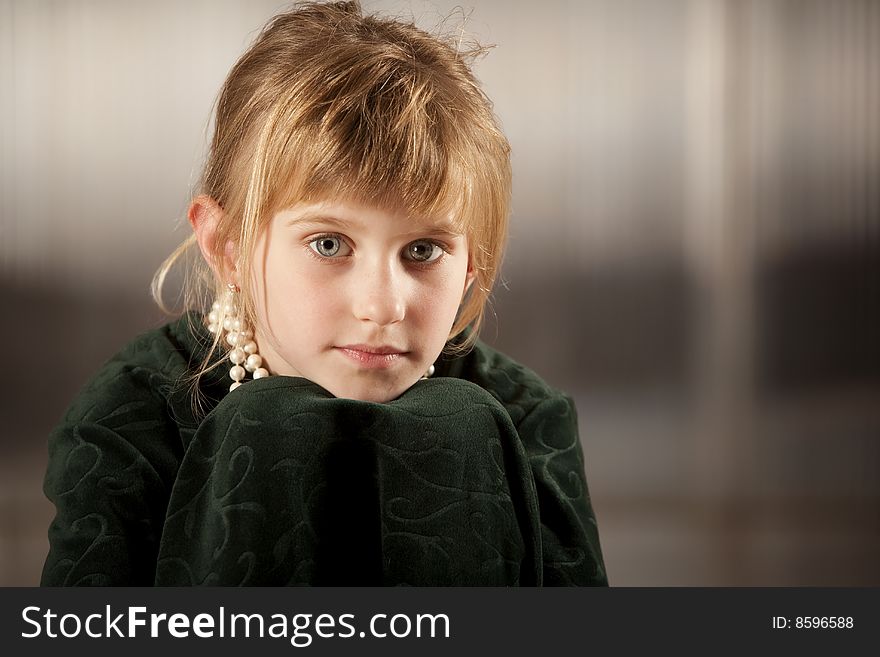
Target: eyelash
330, 259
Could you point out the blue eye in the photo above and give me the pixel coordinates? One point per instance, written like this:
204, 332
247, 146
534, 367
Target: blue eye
423, 251
327, 245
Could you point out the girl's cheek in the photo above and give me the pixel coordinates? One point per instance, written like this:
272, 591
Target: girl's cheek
303, 270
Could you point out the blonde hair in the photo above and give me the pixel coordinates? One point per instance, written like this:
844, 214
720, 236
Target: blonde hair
330, 103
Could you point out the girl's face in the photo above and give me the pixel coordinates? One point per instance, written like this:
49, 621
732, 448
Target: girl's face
356, 299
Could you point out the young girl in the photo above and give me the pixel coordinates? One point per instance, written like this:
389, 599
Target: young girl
332, 418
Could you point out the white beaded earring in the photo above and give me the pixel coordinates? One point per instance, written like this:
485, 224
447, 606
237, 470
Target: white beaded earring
224, 317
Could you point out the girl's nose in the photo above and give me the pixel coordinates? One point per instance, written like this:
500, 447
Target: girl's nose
379, 295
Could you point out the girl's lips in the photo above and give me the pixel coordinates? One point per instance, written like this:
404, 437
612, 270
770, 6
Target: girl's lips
376, 358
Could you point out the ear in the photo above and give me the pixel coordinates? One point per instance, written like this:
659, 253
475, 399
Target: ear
469, 278
204, 216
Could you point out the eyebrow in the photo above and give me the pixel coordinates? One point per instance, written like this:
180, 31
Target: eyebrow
313, 218
322, 219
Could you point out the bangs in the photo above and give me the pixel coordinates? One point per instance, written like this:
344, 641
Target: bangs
386, 136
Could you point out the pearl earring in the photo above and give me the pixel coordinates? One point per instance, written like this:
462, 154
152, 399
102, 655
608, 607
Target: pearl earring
239, 336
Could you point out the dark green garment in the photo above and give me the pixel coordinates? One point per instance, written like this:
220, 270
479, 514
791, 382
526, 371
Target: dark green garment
472, 477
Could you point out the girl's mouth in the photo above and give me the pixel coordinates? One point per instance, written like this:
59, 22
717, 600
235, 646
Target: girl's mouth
372, 357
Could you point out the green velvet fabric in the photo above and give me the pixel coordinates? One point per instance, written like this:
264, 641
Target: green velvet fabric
472, 477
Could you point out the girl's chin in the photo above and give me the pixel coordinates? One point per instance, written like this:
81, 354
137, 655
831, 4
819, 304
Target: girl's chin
376, 394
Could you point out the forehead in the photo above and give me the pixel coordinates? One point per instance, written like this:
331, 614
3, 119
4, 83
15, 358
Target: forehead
354, 215
356, 195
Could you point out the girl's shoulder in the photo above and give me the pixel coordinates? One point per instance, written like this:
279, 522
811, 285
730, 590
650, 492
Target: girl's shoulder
520, 389
146, 372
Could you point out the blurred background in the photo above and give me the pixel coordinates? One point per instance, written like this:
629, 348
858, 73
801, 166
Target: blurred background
693, 253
